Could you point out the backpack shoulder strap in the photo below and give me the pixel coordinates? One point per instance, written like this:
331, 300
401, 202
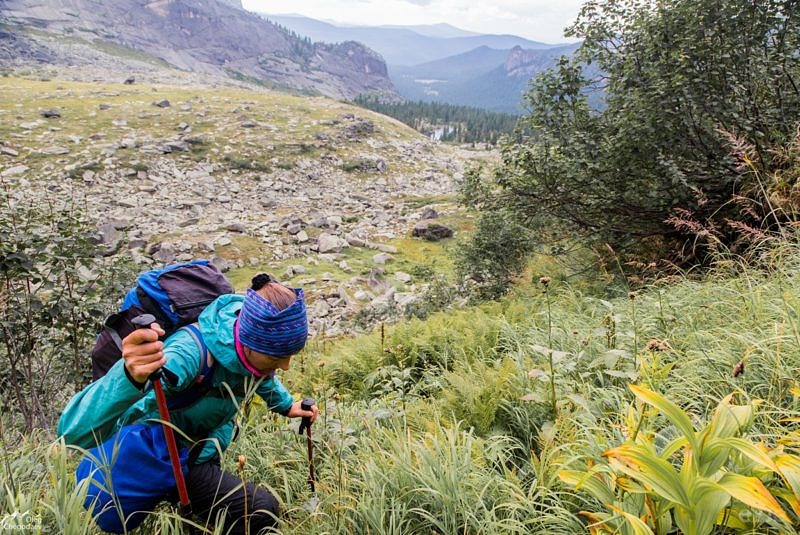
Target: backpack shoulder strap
205, 376
206, 359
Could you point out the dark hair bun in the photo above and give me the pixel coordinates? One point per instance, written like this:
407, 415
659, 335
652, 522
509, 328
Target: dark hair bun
260, 280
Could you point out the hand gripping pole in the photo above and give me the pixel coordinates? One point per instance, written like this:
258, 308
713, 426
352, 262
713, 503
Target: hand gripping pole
143, 322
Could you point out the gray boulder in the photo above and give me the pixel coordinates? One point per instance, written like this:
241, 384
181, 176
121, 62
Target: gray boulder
429, 213
328, 243
431, 230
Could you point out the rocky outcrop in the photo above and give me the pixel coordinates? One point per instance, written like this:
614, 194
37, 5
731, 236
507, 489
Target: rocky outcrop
13, 46
208, 36
521, 63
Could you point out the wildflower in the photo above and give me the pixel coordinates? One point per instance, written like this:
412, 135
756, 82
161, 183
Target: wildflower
240, 462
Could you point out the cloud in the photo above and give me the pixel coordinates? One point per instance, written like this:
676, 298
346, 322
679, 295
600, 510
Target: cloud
539, 20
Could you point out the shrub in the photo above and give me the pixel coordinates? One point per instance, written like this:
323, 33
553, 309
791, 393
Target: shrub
495, 254
55, 288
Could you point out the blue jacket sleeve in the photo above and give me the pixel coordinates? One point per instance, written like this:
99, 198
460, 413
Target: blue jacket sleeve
94, 414
275, 395
91, 415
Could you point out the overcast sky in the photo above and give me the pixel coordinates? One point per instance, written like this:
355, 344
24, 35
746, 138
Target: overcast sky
538, 20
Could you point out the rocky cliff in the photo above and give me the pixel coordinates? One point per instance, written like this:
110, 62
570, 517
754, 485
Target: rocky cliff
522, 63
206, 36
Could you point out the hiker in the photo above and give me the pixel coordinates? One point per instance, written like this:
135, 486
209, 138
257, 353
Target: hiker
249, 337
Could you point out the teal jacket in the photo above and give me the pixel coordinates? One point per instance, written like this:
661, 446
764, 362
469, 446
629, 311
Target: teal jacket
99, 410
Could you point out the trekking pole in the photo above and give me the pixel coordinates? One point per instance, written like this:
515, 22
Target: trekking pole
143, 322
306, 405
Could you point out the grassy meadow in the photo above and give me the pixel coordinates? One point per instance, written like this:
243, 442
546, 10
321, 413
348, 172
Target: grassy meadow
558, 409
571, 405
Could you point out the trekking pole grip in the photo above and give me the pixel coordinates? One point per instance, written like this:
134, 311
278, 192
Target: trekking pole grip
143, 321
306, 405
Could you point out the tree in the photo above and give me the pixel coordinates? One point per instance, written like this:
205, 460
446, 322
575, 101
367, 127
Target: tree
681, 79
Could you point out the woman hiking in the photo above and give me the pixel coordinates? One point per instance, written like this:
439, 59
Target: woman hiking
248, 336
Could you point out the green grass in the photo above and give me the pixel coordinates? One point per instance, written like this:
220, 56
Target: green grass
460, 423
445, 425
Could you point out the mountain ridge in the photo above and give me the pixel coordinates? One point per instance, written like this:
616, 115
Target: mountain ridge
216, 37
401, 45
484, 71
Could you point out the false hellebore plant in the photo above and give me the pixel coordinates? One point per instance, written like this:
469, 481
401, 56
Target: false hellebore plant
694, 481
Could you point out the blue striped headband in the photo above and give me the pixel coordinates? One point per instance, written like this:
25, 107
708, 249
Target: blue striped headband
264, 328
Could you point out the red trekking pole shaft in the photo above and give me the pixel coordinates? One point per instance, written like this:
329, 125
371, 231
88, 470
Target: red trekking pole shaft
143, 322
172, 446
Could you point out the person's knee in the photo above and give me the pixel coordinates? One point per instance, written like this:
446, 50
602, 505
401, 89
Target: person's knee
265, 510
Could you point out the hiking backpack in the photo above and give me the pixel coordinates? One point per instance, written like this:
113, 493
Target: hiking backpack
175, 295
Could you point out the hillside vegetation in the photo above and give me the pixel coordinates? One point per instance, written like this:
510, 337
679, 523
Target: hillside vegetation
486, 419
636, 373
694, 149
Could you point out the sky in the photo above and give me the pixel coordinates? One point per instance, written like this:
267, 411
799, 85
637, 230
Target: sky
537, 20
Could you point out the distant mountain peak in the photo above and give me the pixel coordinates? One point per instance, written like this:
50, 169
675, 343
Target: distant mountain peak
405, 45
441, 29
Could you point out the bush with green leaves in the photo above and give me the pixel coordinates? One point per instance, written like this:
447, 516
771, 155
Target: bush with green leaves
661, 478
55, 288
496, 253
700, 107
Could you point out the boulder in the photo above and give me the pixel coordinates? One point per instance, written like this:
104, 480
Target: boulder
162, 103
236, 227
222, 264
328, 243
54, 150
295, 269
382, 258
429, 213
16, 170
355, 241
51, 114
320, 309
344, 295
431, 230
165, 254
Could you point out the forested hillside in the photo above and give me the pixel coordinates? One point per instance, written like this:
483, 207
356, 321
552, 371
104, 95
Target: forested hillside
446, 122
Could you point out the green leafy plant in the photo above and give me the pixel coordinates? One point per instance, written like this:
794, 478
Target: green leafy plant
693, 481
55, 288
